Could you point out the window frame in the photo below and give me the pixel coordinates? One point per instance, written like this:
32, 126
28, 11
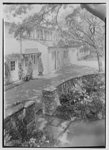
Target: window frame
34, 59
12, 66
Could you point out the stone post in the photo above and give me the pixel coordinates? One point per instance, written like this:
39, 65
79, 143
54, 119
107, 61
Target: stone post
29, 114
50, 100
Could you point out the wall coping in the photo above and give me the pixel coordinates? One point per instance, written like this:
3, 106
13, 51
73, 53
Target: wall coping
28, 103
49, 88
53, 88
10, 111
14, 109
66, 80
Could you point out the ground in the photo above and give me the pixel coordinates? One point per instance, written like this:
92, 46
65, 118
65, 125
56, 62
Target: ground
32, 89
66, 133
74, 133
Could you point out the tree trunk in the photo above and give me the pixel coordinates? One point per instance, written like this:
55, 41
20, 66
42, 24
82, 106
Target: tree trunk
21, 63
99, 63
55, 60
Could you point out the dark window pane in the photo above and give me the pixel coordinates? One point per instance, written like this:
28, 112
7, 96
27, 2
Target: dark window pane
12, 65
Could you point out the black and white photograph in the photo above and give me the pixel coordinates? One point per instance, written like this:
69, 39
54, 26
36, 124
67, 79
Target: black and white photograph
54, 75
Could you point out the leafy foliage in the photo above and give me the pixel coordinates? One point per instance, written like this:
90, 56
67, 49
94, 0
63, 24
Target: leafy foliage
16, 10
84, 100
89, 30
39, 139
80, 25
35, 139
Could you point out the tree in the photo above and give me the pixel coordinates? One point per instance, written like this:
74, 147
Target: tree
16, 12
81, 27
89, 30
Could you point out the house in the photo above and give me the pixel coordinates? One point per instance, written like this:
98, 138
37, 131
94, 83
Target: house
13, 62
62, 55
35, 41
84, 51
31, 56
54, 53
11, 67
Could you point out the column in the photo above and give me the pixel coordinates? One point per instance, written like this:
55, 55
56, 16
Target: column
50, 100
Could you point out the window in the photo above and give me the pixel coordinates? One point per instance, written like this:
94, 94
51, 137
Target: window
12, 65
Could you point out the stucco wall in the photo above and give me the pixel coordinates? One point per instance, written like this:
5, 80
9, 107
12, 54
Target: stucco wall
11, 45
29, 44
58, 58
73, 55
51, 59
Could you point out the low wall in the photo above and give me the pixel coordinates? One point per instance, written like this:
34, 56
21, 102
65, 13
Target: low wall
20, 117
50, 95
50, 101
65, 86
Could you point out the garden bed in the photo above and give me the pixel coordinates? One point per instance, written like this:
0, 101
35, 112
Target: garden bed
85, 99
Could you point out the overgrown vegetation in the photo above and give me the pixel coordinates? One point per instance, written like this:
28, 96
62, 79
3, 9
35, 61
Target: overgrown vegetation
18, 136
86, 100
37, 138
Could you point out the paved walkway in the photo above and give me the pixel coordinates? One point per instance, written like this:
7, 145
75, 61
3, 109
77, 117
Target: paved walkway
12, 85
73, 133
32, 89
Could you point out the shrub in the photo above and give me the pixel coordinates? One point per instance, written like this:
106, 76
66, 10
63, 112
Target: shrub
86, 100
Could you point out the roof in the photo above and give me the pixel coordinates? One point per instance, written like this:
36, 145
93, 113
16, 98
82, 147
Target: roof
12, 57
47, 28
31, 51
63, 44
